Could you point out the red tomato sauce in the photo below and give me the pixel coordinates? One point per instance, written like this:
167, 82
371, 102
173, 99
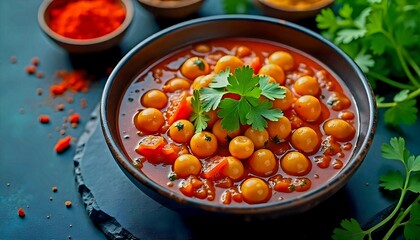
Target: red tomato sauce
332, 151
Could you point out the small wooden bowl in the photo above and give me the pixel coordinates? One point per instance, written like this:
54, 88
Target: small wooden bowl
171, 8
82, 46
291, 13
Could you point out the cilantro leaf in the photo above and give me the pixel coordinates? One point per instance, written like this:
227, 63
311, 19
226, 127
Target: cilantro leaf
347, 35
220, 79
350, 230
414, 184
230, 113
393, 180
256, 117
401, 96
395, 150
198, 117
364, 61
243, 82
412, 227
327, 20
211, 98
271, 90
235, 6
413, 164
403, 112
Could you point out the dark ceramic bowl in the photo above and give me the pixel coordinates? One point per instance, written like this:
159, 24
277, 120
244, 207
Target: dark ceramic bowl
83, 46
178, 36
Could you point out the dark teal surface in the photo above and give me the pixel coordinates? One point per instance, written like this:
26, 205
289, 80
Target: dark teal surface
29, 167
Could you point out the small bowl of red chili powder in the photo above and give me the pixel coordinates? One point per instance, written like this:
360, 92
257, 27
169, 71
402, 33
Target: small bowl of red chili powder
85, 26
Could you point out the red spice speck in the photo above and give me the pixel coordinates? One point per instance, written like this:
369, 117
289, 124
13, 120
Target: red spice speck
39, 91
83, 103
62, 144
60, 107
39, 74
74, 118
35, 61
54, 189
44, 119
21, 212
31, 69
68, 204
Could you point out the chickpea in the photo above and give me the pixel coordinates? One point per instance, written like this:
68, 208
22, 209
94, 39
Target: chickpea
286, 102
223, 136
274, 71
176, 84
307, 85
339, 129
234, 168
149, 120
194, 67
305, 139
202, 48
280, 129
282, 58
255, 190
259, 138
295, 164
202, 81
308, 108
262, 162
186, 165
154, 99
181, 131
228, 61
203, 144
241, 147
243, 51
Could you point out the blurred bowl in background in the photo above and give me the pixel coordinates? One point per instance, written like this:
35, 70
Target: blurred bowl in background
292, 10
66, 36
171, 8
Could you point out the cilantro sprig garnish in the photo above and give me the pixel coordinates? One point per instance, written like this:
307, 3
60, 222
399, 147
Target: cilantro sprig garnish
198, 117
405, 217
382, 36
250, 106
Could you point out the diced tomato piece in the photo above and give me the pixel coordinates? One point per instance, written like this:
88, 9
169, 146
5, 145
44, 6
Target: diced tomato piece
213, 166
150, 146
302, 184
255, 64
187, 188
179, 108
169, 153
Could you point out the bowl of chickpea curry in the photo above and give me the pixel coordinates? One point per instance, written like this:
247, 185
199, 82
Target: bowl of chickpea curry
238, 115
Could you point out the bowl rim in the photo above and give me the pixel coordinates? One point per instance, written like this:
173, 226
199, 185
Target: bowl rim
170, 4
334, 184
316, 7
129, 14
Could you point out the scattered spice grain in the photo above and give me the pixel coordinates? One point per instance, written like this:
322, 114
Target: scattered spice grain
62, 144
35, 61
54, 189
39, 91
60, 107
68, 204
13, 59
44, 119
21, 212
74, 118
31, 69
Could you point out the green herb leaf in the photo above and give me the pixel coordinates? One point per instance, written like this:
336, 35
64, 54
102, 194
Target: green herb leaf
412, 227
414, 184
260, 112
231, 113
413, 164
403, 112
393, 180
198, 117
220, 79
395, 150
351, 230
244, 83
211, 98
271, 90
235, 6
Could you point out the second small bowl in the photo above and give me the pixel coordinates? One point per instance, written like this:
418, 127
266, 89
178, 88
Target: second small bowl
88, 45
171, 8
292, 12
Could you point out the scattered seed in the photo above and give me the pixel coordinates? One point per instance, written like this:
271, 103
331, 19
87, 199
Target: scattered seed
39, 91
35, 61
60, 107
51, 198
13, 59
30, 69
44, 119
54, 189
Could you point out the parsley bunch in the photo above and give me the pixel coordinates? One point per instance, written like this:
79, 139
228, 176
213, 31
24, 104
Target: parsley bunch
408, 218
382, 36
248, 105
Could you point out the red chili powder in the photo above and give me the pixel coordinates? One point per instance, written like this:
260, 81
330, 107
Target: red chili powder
77, 81
85, 19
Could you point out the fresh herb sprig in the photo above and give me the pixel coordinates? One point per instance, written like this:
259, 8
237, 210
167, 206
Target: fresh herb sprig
408, 218
247, 105
382, 36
